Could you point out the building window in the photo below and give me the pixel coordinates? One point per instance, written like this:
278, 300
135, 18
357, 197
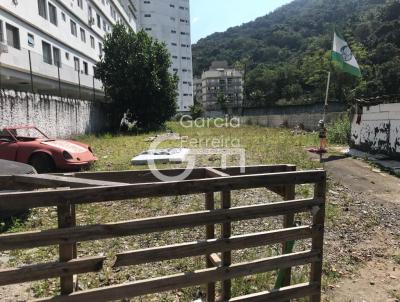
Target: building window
83, 35
13, 36
100, 49
104, 25
1, 31
76, 64
147, 16
98, 21
92, 42
52, 14
42, 8
46, 53
80, 3
63, 17
85, 68
31, 40
57, 56
73, 29
67, 55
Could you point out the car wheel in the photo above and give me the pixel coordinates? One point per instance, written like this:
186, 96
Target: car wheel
43, 163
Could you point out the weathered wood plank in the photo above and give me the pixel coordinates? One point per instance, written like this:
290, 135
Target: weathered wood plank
135, 176
188, 279
23, 200
48, 180
226, 257
50, 270
143, 176
212, 172
318, 237
211, 246
281, 295
66, 219
210, 234
149, 225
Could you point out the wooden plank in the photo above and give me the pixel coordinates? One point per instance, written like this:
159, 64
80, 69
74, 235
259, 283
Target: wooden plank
212, 172
318, 238
50, 270
135, 176
66, 219
215, 260
47, 180
212, 246
288, 222
210, 234
142, 176
23, 200
280, 295
149, 225
226, 257
188, 279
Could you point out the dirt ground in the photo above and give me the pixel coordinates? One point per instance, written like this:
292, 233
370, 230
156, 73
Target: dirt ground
373, 240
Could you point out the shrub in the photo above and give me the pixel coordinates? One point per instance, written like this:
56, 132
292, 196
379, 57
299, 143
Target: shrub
339, 131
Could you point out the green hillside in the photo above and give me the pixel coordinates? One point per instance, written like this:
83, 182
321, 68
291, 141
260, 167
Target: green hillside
286, 54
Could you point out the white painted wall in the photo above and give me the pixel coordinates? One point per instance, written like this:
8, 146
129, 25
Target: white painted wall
378, 130
169, 21
55, 116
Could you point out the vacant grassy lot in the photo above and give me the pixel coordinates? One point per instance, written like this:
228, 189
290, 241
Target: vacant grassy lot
262, 146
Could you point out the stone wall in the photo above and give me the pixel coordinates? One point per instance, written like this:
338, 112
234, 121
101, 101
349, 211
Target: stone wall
57, 117
376, 129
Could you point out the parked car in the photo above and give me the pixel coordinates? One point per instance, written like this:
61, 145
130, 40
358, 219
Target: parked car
12, 168
29, 145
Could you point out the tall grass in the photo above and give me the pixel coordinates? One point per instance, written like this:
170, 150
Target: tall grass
339, 131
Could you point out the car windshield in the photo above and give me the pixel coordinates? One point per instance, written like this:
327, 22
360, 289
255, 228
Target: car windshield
23, 133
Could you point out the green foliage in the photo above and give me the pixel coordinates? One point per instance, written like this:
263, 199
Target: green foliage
196, 110
339, 131
134, 72
287, 53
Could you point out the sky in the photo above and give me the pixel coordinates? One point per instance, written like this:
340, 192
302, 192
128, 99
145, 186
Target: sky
210, 16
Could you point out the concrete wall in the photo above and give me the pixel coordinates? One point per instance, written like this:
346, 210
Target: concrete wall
308, 115
378, 129
55, 116
308, 120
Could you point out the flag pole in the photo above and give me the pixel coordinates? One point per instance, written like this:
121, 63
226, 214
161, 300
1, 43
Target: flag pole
327, 94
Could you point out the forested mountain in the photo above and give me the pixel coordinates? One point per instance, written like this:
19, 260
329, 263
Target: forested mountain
286, 54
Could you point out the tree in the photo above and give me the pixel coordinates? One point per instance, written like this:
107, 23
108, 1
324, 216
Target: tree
196, 111
134, 72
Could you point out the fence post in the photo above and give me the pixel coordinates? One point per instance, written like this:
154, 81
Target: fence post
288, 222
226, 256
210, 234
318, 238
30, 70
67, 252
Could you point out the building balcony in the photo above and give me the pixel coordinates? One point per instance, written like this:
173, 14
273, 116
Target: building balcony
26, 70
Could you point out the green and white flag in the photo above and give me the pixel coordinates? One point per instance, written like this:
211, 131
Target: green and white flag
343, 56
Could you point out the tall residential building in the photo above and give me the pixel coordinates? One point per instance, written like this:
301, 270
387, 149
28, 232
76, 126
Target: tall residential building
55, 44
223, 80
169, 21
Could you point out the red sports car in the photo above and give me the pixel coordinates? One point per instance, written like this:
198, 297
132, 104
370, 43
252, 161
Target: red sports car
29, 145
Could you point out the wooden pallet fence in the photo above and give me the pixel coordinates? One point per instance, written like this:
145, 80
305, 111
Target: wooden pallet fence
98, 187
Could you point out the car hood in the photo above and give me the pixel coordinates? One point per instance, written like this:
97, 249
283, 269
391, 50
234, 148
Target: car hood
70, 147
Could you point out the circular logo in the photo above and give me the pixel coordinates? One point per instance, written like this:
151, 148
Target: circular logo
346, 53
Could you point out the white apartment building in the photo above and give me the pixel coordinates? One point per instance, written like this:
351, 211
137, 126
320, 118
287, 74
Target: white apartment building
55, 44
169, 21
